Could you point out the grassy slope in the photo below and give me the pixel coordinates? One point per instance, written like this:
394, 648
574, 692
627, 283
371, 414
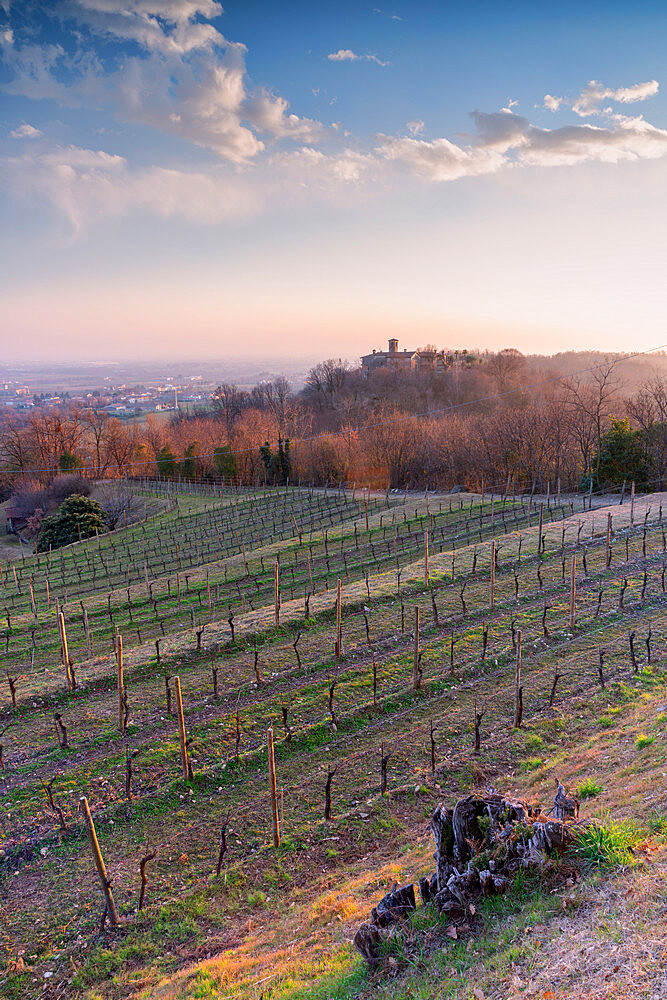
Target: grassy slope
317, 888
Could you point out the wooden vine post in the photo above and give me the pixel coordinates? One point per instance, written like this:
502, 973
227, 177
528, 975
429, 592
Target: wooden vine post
99, 863
573, 588
416, 668
121, 683
426, 562
339, 621
65, 650
632, 505
608, 543
181, 727
539, 529
277, 592
274, 788
518, 690
493, 573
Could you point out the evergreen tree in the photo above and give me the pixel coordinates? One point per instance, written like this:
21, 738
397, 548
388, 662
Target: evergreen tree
69, 462
78, 517
166, 462
622, 456
225, 462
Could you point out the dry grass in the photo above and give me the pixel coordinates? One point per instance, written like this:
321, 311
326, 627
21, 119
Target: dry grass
610, 942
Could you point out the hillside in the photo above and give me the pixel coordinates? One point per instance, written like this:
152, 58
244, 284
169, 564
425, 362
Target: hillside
191, 592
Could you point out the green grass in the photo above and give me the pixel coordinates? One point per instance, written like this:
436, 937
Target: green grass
531, 764
588, 789
608, 843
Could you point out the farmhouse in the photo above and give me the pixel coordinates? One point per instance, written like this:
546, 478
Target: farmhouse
16, 520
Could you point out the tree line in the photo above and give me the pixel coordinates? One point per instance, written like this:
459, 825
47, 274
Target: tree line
483, 422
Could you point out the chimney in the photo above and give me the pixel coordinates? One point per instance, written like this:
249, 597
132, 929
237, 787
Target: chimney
393, 346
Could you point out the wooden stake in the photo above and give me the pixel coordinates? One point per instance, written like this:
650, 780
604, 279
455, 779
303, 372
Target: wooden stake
339, 621
86, 628
493, 573
632, 505
65, 651
573, 587
416, 668
99, 862
608, 543
539, 529
121, 683
274, 791
277, 592
518, 690
181, 728
426, 562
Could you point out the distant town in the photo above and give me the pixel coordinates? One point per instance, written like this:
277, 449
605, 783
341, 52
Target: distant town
118, 400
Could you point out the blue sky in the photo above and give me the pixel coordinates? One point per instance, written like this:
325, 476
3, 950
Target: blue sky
179, 179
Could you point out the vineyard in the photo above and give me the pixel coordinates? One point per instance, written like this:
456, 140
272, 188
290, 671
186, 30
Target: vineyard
224, 727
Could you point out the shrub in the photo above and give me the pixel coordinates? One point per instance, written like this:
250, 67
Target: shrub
77, 517
588, 789
643, 741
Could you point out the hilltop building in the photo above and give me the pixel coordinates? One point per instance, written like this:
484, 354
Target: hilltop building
404, 361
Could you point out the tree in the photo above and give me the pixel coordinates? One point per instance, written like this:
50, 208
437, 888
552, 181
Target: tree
622, 456
228, 402
119, 502
225, 463
189, 463
68, 462
278, 464
166, 462
649, 410
507, 368
284, 459
78, 517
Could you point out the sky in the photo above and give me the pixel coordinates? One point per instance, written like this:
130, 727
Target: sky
186, 178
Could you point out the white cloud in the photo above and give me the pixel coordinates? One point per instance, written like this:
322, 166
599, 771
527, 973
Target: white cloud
26, 131
439, 159
504, 140
311, 166
167, 26
188, 80
590, 100
84, 185
628, 139
347, 55
392, 17
343, 55
552, 103
416, 126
